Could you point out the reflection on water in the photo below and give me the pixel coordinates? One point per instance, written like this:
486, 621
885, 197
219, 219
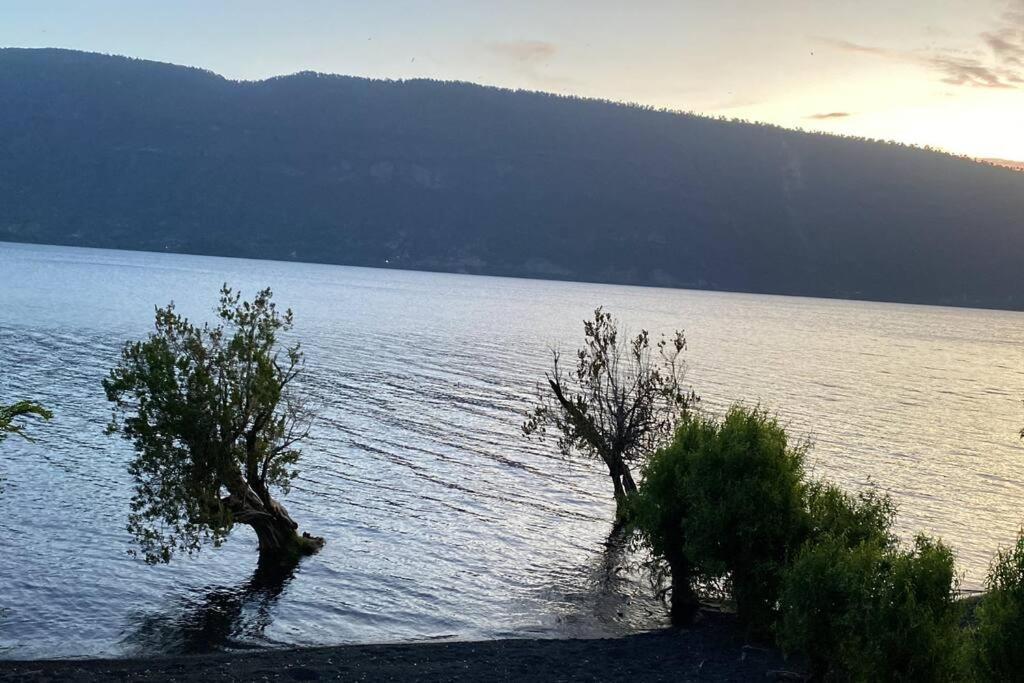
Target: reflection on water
616, 589
612, 590
440, 520
219, 617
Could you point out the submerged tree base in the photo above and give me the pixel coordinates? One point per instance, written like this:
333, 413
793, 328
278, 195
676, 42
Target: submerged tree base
310, 545
285, 545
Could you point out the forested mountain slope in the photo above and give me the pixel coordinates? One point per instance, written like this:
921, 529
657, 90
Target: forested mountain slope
114, 152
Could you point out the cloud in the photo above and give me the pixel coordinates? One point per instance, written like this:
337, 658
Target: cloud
526, 51
849, 46
998, 64
829, 115
965, 71
1008, 45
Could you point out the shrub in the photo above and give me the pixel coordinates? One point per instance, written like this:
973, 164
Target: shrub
746, 517
873, 611
727, 503
1000, 617
658, 510
723, 504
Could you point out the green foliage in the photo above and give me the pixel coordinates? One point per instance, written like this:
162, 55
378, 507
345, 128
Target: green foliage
8, 415
871, 611
861, 607
820, 566
207, 408
745, 506
834, 514
658, 511
1000, 617
726, 500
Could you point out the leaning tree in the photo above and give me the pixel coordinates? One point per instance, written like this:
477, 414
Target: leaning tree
619, 403
215, 419
11, 415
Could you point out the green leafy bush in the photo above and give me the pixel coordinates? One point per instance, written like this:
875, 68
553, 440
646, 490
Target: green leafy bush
872, 611
746, 517
1000, 617
727, 503
658, 510
723, 504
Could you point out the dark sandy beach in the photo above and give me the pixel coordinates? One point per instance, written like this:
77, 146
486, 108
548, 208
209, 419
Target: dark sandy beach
711, 651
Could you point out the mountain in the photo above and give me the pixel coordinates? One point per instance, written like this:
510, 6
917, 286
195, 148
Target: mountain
1015, 165
121, 153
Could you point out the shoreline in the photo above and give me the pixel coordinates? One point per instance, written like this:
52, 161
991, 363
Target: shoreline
712, 649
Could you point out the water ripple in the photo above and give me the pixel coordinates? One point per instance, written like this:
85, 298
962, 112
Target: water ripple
441, 520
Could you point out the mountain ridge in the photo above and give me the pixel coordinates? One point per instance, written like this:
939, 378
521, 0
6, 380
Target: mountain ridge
122, 153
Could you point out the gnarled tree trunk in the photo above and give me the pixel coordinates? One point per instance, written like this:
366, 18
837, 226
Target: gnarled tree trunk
276, 531
620, 492
622, 481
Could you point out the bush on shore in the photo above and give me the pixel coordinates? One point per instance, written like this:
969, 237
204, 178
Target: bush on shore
861, 607
873, 611
728, 503
999, 655
726, 499
746, 516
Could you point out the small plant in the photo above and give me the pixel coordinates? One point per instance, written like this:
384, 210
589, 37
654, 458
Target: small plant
1000, 617
14, 412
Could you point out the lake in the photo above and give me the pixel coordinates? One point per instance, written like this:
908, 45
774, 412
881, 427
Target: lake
441, 520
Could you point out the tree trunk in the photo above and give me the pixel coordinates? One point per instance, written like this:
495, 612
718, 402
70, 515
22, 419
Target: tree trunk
275, 529
627, 479
277, 536
620, 493
684, 604
277, 533
623, 483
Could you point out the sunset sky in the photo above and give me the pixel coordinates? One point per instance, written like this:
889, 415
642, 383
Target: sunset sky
949, 73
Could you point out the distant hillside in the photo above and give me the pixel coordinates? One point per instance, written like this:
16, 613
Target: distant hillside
1015, 165
113, 152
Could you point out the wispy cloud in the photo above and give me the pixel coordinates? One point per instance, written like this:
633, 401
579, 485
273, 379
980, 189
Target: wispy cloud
526, 51
1006, 44
999, 64
850, 46
531, 59
972, 72
829, 115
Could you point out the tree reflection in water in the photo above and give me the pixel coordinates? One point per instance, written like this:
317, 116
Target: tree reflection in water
222, 617
612, 594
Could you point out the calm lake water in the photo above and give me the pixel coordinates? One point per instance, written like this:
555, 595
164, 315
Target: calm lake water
441, 520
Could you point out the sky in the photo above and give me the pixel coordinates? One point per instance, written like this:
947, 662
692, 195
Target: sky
945, 73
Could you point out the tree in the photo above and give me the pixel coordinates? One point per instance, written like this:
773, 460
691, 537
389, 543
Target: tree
8, 415
620, 401
215, 418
